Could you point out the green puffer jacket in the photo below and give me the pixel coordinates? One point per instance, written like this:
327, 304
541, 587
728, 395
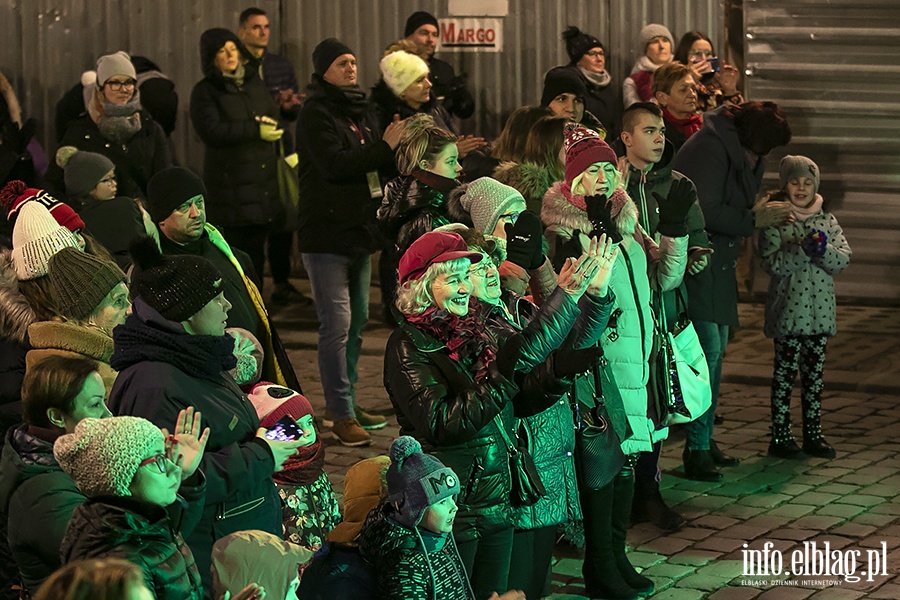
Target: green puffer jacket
414, 565
551, 433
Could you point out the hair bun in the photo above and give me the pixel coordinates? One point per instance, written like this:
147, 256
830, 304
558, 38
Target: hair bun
403, 447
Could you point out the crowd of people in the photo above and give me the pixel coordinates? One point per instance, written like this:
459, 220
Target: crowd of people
157, 443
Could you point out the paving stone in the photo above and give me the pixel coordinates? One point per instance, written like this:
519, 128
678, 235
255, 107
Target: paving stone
719, 544
836, 593
876, 519
706, 583
816, 498
869, 501
645, 559
714, 522
668, 570
728, 569
694, 557
791, 510
820, 522
765, 500
890, 590
785, 593
735, 593
793, 534
667, 546
854, 530
838, 488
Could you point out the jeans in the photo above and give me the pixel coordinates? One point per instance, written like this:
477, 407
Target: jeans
340, 287
713, 339
487, 562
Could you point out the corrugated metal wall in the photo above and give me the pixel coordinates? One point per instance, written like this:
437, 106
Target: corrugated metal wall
834, 67
48, 43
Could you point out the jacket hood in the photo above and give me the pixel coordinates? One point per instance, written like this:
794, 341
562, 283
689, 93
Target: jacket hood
15, 312
383, 538
211, 41
660, 170
556, 210
718, 122
23, 456
71, 337
530, 179
455, 210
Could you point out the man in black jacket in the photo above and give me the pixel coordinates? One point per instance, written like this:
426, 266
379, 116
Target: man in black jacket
341, 151
422, 29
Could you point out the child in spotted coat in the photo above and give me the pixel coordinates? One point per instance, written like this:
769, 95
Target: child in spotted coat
309, 508
802, 259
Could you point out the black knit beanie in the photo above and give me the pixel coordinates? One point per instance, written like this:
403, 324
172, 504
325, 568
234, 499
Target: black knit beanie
327, 52
416, 20
176, 286
169, 189
579, 43
561, 80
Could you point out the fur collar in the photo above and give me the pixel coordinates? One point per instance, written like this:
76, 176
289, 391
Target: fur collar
531, 180
74, 338
557, 210
15, 312
12, 102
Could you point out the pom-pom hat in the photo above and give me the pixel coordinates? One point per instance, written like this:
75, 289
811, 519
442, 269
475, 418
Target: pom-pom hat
583, 148
15, 194
433, 247
117, 63
103, 455
578, 43
36, 237
416, 481
82, 170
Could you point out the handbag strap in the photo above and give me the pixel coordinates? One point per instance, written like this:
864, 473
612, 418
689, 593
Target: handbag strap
511, 448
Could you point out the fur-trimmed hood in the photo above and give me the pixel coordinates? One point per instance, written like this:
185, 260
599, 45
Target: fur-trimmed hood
530, 179
557, 211
15, 312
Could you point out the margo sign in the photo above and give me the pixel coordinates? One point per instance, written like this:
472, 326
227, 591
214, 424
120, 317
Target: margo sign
471, 35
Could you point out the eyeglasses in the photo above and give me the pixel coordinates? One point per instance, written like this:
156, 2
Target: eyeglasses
595, 53
699, 53
118, 86
160, 461
511, 217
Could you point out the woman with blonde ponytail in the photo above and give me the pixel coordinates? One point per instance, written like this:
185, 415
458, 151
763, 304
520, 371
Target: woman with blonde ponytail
415, 202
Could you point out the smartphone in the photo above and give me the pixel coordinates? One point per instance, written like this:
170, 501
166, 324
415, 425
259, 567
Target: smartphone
714, 63
285, 429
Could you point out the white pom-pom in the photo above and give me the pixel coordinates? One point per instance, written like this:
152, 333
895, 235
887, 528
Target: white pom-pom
64, 154
89, 78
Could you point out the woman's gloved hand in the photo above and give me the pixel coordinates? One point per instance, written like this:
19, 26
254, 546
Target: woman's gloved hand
523, 241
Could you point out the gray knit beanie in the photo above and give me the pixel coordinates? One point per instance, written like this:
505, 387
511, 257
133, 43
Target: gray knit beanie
486, 200
102, 456
117, 63
654, 30
83, 170
798, 166
416, 480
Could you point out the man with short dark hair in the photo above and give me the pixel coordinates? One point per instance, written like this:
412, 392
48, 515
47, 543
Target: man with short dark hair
422, 29
176, 203
278, 74
649, 178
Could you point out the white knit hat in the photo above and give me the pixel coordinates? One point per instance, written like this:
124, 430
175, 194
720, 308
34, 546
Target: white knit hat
486, 200
400, 69
36, 237
102, 456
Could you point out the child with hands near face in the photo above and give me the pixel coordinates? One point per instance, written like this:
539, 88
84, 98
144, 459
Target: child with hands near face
802, 257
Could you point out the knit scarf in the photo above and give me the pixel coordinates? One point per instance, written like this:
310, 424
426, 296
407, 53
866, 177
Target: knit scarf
466, 337
238, 77
601, 79
147, 336
687, 127
803, 213
304, 466
120, 122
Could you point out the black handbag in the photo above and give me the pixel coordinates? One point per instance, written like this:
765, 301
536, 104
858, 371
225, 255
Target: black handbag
527, 487
599, 456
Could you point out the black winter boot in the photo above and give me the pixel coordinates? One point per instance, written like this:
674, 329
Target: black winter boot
602, 578
720, 459
699, 466
648, 505
814, 442
783, 444
623, 494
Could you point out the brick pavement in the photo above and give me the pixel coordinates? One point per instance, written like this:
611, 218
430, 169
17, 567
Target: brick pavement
850, 502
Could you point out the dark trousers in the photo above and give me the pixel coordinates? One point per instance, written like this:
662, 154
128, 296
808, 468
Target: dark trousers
646, 470
280, 244
487, 562
529, 568
251, 240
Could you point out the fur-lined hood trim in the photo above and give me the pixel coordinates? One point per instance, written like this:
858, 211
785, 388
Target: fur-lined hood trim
12, 102
531, 180
557, 210
15, 312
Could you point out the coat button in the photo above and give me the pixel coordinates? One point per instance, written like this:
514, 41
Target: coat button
568, 454
562, 401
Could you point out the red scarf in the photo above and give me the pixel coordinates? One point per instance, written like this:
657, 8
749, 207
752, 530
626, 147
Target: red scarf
466, 338
304, 467
687, 127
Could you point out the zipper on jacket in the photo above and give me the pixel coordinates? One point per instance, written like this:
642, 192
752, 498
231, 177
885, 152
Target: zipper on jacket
637, 305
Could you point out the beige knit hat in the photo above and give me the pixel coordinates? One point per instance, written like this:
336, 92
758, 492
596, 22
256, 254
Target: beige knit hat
103, 455
400, 69
36, 237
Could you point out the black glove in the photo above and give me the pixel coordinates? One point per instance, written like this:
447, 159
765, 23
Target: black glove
599, 212
567, 249
674, 208
509, 355
523, 241
568, 361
